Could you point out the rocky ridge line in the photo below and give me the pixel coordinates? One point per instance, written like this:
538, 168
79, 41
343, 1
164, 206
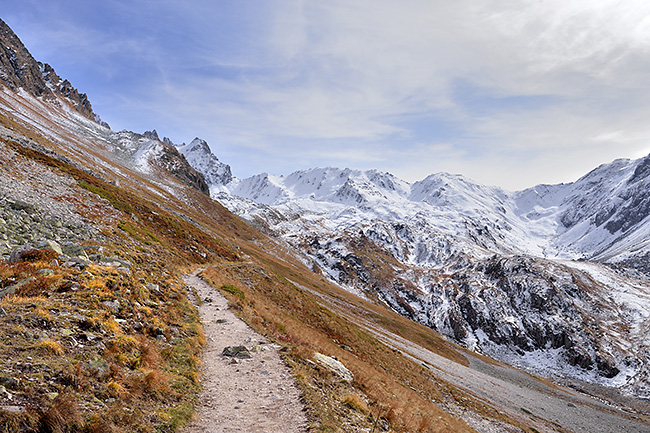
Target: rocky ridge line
18, 69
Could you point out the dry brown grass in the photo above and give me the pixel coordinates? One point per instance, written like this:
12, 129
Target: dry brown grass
355, 402
100, 360
396, 389
50, 347
63, 416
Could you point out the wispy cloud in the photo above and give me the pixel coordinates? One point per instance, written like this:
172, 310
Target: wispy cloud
509, 93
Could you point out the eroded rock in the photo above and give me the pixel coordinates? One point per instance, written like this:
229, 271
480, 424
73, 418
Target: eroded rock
335, 366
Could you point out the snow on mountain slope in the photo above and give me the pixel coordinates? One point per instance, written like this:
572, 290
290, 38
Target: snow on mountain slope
79, 138
201, 158
602, 216
489, 268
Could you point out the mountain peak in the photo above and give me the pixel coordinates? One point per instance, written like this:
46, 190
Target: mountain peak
199, 144
18, 69
200, 157
153, 135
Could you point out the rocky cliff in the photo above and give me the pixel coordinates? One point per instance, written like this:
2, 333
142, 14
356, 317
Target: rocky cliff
18, 69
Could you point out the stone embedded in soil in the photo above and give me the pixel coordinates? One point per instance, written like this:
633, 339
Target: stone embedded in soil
240, 352
335, 366
12, 289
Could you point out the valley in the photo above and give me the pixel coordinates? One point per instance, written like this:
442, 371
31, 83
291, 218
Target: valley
437, 306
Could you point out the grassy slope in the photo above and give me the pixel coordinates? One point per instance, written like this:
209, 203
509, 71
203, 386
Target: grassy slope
130, 380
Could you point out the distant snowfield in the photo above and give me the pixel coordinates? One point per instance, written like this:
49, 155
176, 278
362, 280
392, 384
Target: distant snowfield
448, 224
566, 221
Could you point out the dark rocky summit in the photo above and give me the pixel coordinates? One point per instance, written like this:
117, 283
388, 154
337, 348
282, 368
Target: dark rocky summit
173, 162
18, 69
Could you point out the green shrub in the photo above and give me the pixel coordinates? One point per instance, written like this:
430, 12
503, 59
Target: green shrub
232, 290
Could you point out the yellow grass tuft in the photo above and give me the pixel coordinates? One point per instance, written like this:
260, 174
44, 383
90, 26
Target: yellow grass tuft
51, 347
355, 402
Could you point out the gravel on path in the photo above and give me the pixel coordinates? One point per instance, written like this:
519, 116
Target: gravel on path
241, 395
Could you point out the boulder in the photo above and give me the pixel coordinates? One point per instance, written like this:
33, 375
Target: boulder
17, 254
50, 245
73, 250
12, 289
240, 352
335, 366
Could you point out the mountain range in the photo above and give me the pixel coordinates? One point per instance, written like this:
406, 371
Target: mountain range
553, 279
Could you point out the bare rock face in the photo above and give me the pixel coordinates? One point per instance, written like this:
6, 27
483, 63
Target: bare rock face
173, 162
176, 165
18, 69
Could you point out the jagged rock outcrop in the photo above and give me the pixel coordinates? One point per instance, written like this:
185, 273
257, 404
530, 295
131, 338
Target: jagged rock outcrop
173, 162
153, 135
18, 69
200, 156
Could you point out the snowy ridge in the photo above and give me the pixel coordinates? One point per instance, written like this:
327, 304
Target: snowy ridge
201, 158
489, 268
603, 215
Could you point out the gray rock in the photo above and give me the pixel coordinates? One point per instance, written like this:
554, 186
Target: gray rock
335, 366
98, 367
73, 250
113, 305
9, 382
12, 289
114, 262
240, 352
5, 394
45, 272
17, 254
50, 245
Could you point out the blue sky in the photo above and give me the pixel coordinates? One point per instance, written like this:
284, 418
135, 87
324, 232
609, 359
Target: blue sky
506, 93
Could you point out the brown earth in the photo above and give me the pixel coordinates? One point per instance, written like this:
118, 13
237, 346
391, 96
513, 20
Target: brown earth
241, 395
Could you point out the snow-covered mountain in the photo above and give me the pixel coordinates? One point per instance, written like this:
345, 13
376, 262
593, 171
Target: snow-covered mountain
465, 259
603, 216
216, 173
517, 275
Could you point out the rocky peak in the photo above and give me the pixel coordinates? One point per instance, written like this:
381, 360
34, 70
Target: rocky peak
199, 145
153, 135
18, 69
200, 157
172, 161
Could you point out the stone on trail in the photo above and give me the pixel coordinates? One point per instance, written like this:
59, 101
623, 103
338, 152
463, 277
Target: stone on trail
240, 352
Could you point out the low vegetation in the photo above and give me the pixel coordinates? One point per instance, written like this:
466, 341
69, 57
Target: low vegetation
389, 391
105, 348
97, 350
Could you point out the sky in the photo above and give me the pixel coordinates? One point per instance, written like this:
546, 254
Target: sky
507, 93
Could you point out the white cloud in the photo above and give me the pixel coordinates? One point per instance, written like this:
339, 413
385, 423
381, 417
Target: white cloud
320, 83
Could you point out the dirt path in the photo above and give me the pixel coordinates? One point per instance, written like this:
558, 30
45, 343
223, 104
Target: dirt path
256, 395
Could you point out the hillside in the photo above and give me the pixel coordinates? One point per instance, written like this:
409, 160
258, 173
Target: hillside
550, 278
100, 332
